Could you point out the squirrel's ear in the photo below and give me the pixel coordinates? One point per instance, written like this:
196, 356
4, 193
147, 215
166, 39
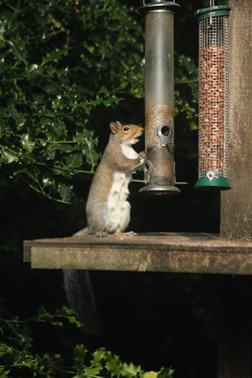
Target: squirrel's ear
113, 127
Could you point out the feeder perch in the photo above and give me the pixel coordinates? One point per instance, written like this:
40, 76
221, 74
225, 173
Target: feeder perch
159, 98
213, 97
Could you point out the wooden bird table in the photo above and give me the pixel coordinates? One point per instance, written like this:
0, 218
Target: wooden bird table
169, 252
153, 252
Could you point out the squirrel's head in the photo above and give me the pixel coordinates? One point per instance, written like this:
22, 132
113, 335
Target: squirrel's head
126, 134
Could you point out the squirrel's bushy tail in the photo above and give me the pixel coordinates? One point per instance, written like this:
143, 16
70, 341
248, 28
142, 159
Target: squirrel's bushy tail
80, 296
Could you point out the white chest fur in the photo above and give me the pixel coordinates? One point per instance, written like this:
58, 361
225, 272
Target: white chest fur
118, 206
129, 152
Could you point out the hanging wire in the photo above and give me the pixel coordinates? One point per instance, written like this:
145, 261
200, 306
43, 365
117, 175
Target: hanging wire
211, 13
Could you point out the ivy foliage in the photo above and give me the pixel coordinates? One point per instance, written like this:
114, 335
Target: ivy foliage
18, 356
59, 62
186, 77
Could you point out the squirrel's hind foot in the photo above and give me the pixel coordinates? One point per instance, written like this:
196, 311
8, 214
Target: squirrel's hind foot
101, 234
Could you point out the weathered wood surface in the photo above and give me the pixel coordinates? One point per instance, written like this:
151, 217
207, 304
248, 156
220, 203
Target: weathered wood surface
235, 346
236, 204
160, 252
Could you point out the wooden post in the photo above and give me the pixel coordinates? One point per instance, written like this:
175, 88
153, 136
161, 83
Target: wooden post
236, 204
234, 356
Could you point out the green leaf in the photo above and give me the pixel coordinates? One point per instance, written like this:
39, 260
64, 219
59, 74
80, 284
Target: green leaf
49, 153
63, 147
150, 374
63, 171
130, 370
47, 180
19, 50
27, 143
54, 56
92, 371
3, 124
165, 373
73, 320
74, 160
38, 98
90, 153
15, 114
80, 352
4, 373
2, 129
25, 171
111, 101
98, 356
113, 365
65, 191
8, 157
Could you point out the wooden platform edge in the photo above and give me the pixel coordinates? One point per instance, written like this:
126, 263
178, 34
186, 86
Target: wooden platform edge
178, 253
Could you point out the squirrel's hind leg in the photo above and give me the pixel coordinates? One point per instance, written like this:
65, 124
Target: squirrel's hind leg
98, 219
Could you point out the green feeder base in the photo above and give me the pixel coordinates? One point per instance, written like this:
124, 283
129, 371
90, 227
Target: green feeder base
219, 183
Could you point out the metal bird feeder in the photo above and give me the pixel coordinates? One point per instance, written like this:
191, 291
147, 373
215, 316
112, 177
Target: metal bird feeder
159, 97
213, 97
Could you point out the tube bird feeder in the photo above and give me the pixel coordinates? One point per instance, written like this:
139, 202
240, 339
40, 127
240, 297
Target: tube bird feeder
213, 97
159, 97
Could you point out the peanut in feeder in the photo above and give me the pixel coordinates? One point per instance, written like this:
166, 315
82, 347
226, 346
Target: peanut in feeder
213, 97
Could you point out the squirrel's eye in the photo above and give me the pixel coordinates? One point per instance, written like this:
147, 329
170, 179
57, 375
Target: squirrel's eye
126, 128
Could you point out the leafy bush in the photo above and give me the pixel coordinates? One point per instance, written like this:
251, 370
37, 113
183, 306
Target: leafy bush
60, 63
19, 357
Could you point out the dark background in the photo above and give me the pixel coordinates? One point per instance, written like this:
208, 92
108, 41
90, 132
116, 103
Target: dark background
152, 319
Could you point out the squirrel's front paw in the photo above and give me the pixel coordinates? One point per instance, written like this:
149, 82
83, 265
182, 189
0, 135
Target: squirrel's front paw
142, 157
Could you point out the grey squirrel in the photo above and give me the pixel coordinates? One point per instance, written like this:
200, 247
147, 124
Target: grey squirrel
108, 211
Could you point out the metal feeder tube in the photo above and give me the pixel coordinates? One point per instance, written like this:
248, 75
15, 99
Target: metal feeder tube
213, 98
159, 98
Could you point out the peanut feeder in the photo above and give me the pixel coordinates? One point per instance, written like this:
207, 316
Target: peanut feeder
159, 97
213, 97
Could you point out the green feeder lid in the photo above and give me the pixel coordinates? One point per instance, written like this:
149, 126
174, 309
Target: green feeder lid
217, 10
219, 183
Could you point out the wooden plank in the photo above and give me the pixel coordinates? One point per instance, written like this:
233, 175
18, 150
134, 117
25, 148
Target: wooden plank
235, 347
236, 204
162, 252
